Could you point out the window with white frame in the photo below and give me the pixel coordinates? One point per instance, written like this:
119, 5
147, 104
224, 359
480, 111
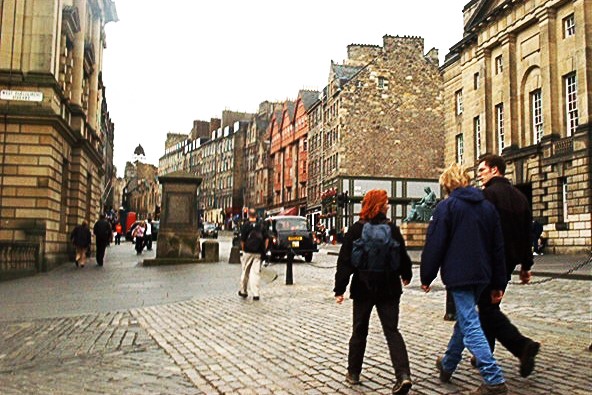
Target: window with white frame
569, 26
537, 116
460, 148
477, 132
499, 64
459, 102
571, 103
499, 126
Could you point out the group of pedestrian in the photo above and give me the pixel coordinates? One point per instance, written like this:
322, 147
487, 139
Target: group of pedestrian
475, 238
81, 239
142, 236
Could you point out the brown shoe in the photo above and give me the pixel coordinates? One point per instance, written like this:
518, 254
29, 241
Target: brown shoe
444, 375
486, 389
352, 378
402, 385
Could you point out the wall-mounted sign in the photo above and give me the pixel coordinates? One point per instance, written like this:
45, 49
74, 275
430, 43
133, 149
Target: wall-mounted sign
21, 95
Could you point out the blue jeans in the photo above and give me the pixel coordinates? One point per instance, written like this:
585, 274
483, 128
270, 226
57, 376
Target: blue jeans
468, 333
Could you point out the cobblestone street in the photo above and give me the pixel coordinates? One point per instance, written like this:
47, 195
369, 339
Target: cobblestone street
125, 329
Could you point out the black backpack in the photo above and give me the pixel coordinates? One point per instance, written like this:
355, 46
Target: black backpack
255, 241
376, 251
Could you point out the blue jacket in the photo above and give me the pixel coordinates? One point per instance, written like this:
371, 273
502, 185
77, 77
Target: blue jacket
465, 241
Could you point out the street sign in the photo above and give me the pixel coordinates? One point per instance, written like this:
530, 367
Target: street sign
21, 95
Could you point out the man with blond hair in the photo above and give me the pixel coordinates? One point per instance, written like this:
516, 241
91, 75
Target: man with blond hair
464, 242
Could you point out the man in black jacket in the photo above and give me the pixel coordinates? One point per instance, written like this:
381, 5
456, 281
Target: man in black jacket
103, 234
516, 220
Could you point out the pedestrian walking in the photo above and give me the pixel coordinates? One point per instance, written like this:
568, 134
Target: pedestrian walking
148, 235
118, 233
376, 282
81, 239
103, 236
138, 233
464, 242
516, 222
254, 243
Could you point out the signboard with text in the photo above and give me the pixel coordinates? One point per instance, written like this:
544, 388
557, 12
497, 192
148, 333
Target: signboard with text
21, 95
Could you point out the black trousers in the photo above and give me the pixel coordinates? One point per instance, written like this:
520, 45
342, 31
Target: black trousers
496, 325
101, 246
388, 312
148, 242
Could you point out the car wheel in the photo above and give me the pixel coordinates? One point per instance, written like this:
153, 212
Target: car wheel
308, 257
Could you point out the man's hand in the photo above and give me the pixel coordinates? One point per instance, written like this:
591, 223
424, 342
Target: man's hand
426, 288
525, 276
339, 299
496, 296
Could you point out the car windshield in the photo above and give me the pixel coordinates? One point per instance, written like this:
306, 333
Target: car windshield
286, 224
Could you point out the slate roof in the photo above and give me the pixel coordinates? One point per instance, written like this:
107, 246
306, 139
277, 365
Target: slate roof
343, 72
308, 98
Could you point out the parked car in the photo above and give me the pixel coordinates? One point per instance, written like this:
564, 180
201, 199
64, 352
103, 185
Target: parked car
290, 234
209, 230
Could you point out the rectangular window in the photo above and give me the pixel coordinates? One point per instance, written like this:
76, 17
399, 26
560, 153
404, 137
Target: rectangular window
477, 131
571, 103
460, 148
382, 83
476, 81
499, 125
459, 102
499, 65
537, 116
569, 26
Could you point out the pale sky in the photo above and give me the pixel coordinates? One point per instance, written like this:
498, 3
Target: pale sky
168, 63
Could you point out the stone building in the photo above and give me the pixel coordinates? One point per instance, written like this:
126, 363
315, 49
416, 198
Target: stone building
53, 145
257, 144
379, 124
174, 153
519, 84
289, 156
141, 191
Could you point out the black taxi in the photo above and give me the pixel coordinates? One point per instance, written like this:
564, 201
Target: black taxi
290, 234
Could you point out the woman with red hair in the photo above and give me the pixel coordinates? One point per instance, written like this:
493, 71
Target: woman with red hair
369, 289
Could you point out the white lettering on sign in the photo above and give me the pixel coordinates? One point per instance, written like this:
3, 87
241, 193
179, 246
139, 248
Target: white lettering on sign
21, 95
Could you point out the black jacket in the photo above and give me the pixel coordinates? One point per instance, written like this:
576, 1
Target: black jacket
80, 236
102, 231
516, 217
390, 285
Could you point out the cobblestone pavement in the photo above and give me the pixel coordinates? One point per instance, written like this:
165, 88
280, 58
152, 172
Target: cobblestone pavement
183, 330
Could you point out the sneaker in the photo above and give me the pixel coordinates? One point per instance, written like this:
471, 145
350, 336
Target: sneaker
444, 375
242, 295
486, 389
352, 378
402, 385
535, 254
527, 358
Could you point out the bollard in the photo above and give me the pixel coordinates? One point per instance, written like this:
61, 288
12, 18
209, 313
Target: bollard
234, 255
289, 279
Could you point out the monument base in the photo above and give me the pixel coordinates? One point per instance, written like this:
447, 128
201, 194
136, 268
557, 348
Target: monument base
178, 244
414, 234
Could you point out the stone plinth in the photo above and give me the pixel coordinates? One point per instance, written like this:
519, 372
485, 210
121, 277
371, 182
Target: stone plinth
414, 234
178, 236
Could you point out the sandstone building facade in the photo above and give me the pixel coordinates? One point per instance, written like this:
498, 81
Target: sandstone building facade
379, 124
53, 144
519, 84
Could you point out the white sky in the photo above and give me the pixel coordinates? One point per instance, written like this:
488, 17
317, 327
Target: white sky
170, 62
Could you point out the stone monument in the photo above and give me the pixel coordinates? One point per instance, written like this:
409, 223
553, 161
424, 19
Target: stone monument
178, 236
414, 227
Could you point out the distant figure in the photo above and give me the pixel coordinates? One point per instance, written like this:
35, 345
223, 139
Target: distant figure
148, 235
103, 235
254, 243
118, 232
138, 233
81, 239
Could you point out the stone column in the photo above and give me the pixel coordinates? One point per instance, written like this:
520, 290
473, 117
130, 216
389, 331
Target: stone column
583, 20
78, 55
548, 48
94, 78
509, 95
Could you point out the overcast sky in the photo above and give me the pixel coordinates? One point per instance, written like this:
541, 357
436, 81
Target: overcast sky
169, 63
